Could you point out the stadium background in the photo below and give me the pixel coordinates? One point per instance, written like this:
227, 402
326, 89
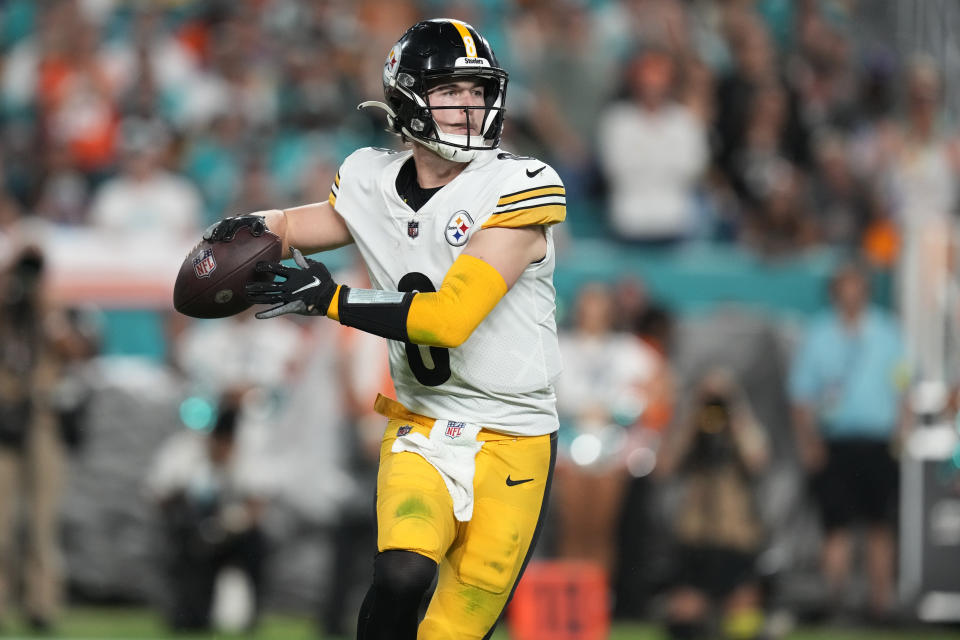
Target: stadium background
251, 105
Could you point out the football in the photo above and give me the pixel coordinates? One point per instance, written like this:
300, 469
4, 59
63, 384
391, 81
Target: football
212, 277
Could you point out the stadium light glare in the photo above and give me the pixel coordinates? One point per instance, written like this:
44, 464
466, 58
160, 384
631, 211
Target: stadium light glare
197, 413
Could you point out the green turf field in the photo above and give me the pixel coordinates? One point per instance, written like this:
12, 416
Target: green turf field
138, 624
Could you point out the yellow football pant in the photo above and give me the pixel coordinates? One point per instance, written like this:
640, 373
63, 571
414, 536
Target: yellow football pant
480, 560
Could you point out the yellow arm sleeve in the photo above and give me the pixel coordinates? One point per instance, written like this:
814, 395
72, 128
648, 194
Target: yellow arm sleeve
447, 317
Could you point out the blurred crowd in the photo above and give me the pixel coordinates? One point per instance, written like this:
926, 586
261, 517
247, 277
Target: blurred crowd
765, 123
777, 127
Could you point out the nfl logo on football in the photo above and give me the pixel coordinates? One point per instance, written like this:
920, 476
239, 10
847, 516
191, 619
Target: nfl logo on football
454, 429
204, 264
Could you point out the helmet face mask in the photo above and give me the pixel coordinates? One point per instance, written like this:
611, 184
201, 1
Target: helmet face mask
439, 52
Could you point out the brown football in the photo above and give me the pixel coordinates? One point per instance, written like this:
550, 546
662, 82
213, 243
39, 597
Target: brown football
212, 277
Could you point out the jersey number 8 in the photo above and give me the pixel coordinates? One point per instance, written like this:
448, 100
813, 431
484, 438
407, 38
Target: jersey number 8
440, 373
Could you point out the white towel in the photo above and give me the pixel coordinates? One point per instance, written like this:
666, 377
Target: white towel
452, 450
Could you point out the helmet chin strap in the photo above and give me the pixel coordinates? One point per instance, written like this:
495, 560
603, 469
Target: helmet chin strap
446, 151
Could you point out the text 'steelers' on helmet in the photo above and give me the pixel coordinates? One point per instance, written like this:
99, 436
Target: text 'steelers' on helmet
429, 53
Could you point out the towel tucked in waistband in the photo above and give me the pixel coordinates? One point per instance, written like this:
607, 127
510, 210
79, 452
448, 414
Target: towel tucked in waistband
451, 449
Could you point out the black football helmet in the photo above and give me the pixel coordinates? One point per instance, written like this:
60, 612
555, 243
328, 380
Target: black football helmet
429, 53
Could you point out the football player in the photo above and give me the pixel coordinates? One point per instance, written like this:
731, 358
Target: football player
457, 239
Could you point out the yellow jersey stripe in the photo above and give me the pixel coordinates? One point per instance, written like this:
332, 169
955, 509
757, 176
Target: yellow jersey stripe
332, 199
542, 186
336, 179
528, 216
531, 193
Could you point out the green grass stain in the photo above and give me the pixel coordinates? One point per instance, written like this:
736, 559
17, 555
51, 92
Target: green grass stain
473, 599
412, 507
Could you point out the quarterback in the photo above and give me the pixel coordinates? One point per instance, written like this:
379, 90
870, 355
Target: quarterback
456, 236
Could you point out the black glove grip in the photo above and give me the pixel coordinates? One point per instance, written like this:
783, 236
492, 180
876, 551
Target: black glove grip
226, 229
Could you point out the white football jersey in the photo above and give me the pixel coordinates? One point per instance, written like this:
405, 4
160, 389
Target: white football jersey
502, 376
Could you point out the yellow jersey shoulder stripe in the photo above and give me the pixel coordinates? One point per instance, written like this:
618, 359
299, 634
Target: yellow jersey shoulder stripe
334, 190
527, 191
529, 194
548, 213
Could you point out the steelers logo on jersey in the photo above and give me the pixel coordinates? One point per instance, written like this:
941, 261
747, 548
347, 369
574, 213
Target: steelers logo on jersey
458, 228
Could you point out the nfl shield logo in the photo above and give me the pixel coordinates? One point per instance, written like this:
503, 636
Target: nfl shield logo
404, 430
454, 429
413, 228
204, 264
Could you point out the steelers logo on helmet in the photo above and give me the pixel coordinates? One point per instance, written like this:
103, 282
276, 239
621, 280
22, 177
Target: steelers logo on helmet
390, 66
429, 54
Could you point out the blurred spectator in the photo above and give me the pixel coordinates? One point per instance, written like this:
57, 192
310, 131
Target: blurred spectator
609, 382
10, 225
313, 95
758, 125
716, 452
847, 413
648, 23
312, 185
655, 327
32, 461
697, 91
145, 198
213, 159
211, 512
653, 151
239, 352
76, 98
631, 300
77, 336
58, 77
237, 73
154, 69
823, 70
840, 200
257, 191
779, 223
571, 79
640, 563
63, 190
875, 128
922, 163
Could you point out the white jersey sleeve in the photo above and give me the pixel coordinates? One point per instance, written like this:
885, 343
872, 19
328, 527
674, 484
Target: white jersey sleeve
502, 376
531, 195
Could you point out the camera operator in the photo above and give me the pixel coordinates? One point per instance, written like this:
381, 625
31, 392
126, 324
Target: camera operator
32, 455
716, 453
211, 514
